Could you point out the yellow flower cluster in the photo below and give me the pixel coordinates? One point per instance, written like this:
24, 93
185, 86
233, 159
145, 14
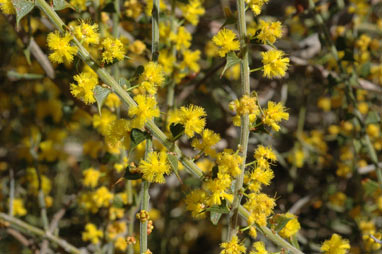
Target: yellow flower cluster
274, 114
112, 49
151, 78
60, 45
86, 33
83, 90
6, 7
268, 32
245, 105
92, 234
191, 117
226, 41
256, 5
145, 110
275, 64
155, 167
232, 247
209, 139
336, 245
192, 11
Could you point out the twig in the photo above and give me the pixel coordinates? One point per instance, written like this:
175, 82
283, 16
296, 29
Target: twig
38, 232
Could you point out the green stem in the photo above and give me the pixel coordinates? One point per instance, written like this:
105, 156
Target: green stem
29, 229
244, 127
115, 17
191, 167
171, 87
11, 191
145, 203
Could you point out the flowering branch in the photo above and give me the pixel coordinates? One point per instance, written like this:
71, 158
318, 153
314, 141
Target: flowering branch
244, 127
109, 80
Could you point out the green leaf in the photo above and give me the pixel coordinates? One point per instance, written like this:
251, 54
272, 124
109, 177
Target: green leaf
100, 94
370, 187
365, 69
27, 54
59, 5
137, 136
215, 217
13, 75
279, 221
22, 7
372, 117
174, 165
219, 209
132, 176
231, 60
370, 148
176, 130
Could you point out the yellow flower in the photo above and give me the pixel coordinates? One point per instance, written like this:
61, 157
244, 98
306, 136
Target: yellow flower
62, 50
86, 33
91, 177
79, 4
137, 47
145, 110
182, 39
92, 234
259, 248
275, 64
256, 5
167, 60
192, 11
292, 226
155, 167
86, 82
226, 41
103, 121
259, 206
133, 8
192, 118
217, 188
151, 77
229, 163
102, 197
373, 130
297, 157
269, 31
120, 244
18, 207
118, 133
112, 49
324, 103
190, 60
6, 7
232, 247
274, 114
209, 139
336, 245
246, 105
195, 203
113, 101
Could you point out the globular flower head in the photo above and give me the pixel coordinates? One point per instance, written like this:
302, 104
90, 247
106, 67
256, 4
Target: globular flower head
92, 234
192, 11
83, 90
256, 5
336, 245
269, 31
6, 7
275, 64
209, 139
292, 226
86, 33
182, 39
195, 203
145, 110
155, 167
274, 114
226, 41
232, 247
60, 45
192, 118
112, 49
